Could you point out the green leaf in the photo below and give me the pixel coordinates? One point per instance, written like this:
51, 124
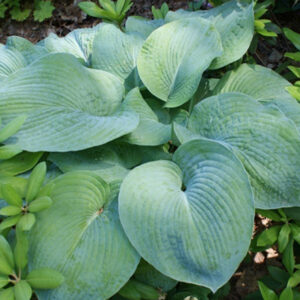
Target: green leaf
18, 14
21, 249
268, 237
145, 273
26, 222
43, 11
267, 293
45, 278
11, 196
29, 51
278, 274
157, 14
296, 232
294, 280
111, 161
7, 294
40, 204
150, 132
172, 71
262, 137
3, 9
19, 184
292, 36
12, 128
129, 291
7, 263
35, 181
88, 113
82, 230
270, 214
294, 91
146, 291
115, 51
154, 211
295, 56
295, 70
9, 151
234, 21
91, 9
286, 294
79, 43
264, 85
10, 210
10, 62
119, 6
22, 291
293, 213
283, 237
4, 280
142, 25
288, 259
21, 163
9, 222
108, 5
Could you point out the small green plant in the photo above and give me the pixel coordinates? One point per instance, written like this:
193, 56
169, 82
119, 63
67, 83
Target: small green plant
22, 213
284, 233
16, 282
20, 10
160, 13
294, 56
109, 11
264, 27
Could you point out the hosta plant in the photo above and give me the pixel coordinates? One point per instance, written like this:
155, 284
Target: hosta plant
156, 149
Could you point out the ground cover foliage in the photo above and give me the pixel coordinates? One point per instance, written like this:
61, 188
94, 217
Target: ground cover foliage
133, 157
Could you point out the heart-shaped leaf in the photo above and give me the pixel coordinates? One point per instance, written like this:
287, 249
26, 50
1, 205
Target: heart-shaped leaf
189, 235
174, 56
264, 85
262, 137
69, 107
115, 51
234, 20
81, 237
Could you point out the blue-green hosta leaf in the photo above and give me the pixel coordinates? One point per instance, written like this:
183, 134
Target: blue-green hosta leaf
30, 51
262, 137
17, 54
69, 107
189, 235
115, 51
264, 85
150, 132
142, 25
174, 56
235, 22
81, 237
78, 43
111, 161
10, 62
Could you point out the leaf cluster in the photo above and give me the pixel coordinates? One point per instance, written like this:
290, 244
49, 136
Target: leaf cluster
20, 10
160, 143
